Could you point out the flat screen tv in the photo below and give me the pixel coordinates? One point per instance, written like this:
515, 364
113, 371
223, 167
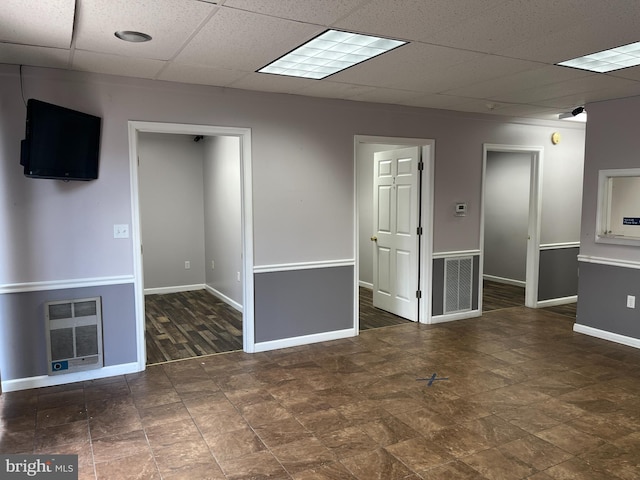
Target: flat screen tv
60, 143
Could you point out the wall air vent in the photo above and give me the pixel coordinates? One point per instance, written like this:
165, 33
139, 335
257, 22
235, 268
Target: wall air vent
74, 335
458, 278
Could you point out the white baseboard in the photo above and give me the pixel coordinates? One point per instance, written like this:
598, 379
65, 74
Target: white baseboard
450, 317
63, 379
508, 281
305, 340
552, 302
365, 284
174, 289
224, 298
603, 334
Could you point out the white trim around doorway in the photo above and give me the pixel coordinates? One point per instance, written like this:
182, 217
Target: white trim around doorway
535, 207
244, 134
426, 208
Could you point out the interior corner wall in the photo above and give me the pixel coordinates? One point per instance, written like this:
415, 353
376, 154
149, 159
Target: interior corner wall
506, 215
223, 216
171, 202
608, 273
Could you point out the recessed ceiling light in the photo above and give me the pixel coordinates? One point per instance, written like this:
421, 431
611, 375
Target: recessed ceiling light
329, 53
131, 36
607, 60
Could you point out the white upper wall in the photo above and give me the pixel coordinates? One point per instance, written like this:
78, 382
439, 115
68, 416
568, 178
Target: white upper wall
303, 175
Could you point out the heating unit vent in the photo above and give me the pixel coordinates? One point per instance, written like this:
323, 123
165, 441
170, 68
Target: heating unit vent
74, 335
458, 284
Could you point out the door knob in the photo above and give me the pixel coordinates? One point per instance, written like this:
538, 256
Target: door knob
374, 239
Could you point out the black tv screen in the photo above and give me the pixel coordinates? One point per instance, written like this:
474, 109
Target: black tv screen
60, 143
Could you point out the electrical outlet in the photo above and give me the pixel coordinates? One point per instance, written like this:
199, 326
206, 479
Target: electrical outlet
631, 301
238, 276
213, 264
187, 265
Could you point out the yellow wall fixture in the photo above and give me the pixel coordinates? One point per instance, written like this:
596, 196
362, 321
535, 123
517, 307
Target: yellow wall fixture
555, 138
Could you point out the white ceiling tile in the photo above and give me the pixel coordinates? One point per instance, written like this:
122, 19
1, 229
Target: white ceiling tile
483, 68
435, 100
525, 111
407, 67
572, 100
593, 82
632, 73
99, 20
385, 95
414, 19
199, 74
478, 106
244, 41
36, 22
330, 89
319, 12
116, 65
519, 81
271, 83
513, 23
605, 27
34, 56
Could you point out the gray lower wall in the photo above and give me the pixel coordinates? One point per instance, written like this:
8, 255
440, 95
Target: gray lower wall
23, 351
558, 273
303, 302
603, 291
438, 285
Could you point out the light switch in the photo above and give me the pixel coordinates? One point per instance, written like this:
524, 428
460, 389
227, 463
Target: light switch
121, 231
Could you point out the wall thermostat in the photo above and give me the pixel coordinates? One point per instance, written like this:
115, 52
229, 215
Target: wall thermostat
461, 209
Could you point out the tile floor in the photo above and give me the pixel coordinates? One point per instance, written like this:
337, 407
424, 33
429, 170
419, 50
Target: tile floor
525, 398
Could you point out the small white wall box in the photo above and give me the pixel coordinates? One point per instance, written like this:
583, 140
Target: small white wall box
74, 335
461, 209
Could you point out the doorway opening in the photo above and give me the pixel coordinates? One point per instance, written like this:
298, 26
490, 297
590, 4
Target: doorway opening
394, 149
138, 130
510, 226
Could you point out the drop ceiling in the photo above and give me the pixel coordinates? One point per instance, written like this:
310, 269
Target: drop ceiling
489, 56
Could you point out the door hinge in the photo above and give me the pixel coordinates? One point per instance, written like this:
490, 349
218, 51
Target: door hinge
420, 165
418, 293
419, 231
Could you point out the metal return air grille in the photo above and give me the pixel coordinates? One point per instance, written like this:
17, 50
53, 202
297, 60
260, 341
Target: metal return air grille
458, 278
74, 335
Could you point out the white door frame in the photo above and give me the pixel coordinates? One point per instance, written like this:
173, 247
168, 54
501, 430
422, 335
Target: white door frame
535, 207
244, 134
426, 209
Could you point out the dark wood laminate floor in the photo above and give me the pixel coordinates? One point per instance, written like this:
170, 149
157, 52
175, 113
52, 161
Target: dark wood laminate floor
372, 317
190, 324
496, 296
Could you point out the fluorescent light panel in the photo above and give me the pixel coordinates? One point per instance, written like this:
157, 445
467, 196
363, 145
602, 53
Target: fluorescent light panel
607, 60
330, 53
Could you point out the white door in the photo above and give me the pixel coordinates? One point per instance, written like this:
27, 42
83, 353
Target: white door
395, 224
